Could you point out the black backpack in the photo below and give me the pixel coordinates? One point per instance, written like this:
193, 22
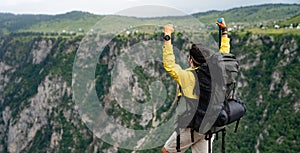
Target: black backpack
216, 106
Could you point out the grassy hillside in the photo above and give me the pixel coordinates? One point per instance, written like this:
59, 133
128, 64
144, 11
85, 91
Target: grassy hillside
253, 14
295, 20
283, 27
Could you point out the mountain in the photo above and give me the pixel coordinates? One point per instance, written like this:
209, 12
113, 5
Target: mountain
43, 110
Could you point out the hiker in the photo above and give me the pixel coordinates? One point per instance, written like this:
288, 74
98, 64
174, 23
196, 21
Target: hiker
187, 82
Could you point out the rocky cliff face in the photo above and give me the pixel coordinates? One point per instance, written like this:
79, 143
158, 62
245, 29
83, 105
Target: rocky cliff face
269, 83
39, 115
36, 105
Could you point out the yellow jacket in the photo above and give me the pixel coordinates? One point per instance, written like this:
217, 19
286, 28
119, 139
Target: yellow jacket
185, 78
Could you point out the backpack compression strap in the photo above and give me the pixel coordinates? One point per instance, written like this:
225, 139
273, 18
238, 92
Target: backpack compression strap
192, 134
177, 129
178, 140
236, 125
223, 140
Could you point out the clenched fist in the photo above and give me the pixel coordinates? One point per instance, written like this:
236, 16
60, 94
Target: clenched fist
168, 29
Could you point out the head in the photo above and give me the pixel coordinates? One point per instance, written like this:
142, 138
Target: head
197, 55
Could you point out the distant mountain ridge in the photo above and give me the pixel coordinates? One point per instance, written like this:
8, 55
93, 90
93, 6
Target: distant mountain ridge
10, 22
15, 22
72, 21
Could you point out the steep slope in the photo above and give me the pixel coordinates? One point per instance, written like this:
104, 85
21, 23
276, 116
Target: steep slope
39, 115
38, 112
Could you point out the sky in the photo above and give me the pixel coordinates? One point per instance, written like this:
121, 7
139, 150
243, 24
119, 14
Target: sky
106, 7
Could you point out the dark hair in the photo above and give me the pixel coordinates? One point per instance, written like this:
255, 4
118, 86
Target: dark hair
198, 53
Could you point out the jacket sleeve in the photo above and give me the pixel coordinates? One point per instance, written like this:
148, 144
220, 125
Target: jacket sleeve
169, 63
225, 46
